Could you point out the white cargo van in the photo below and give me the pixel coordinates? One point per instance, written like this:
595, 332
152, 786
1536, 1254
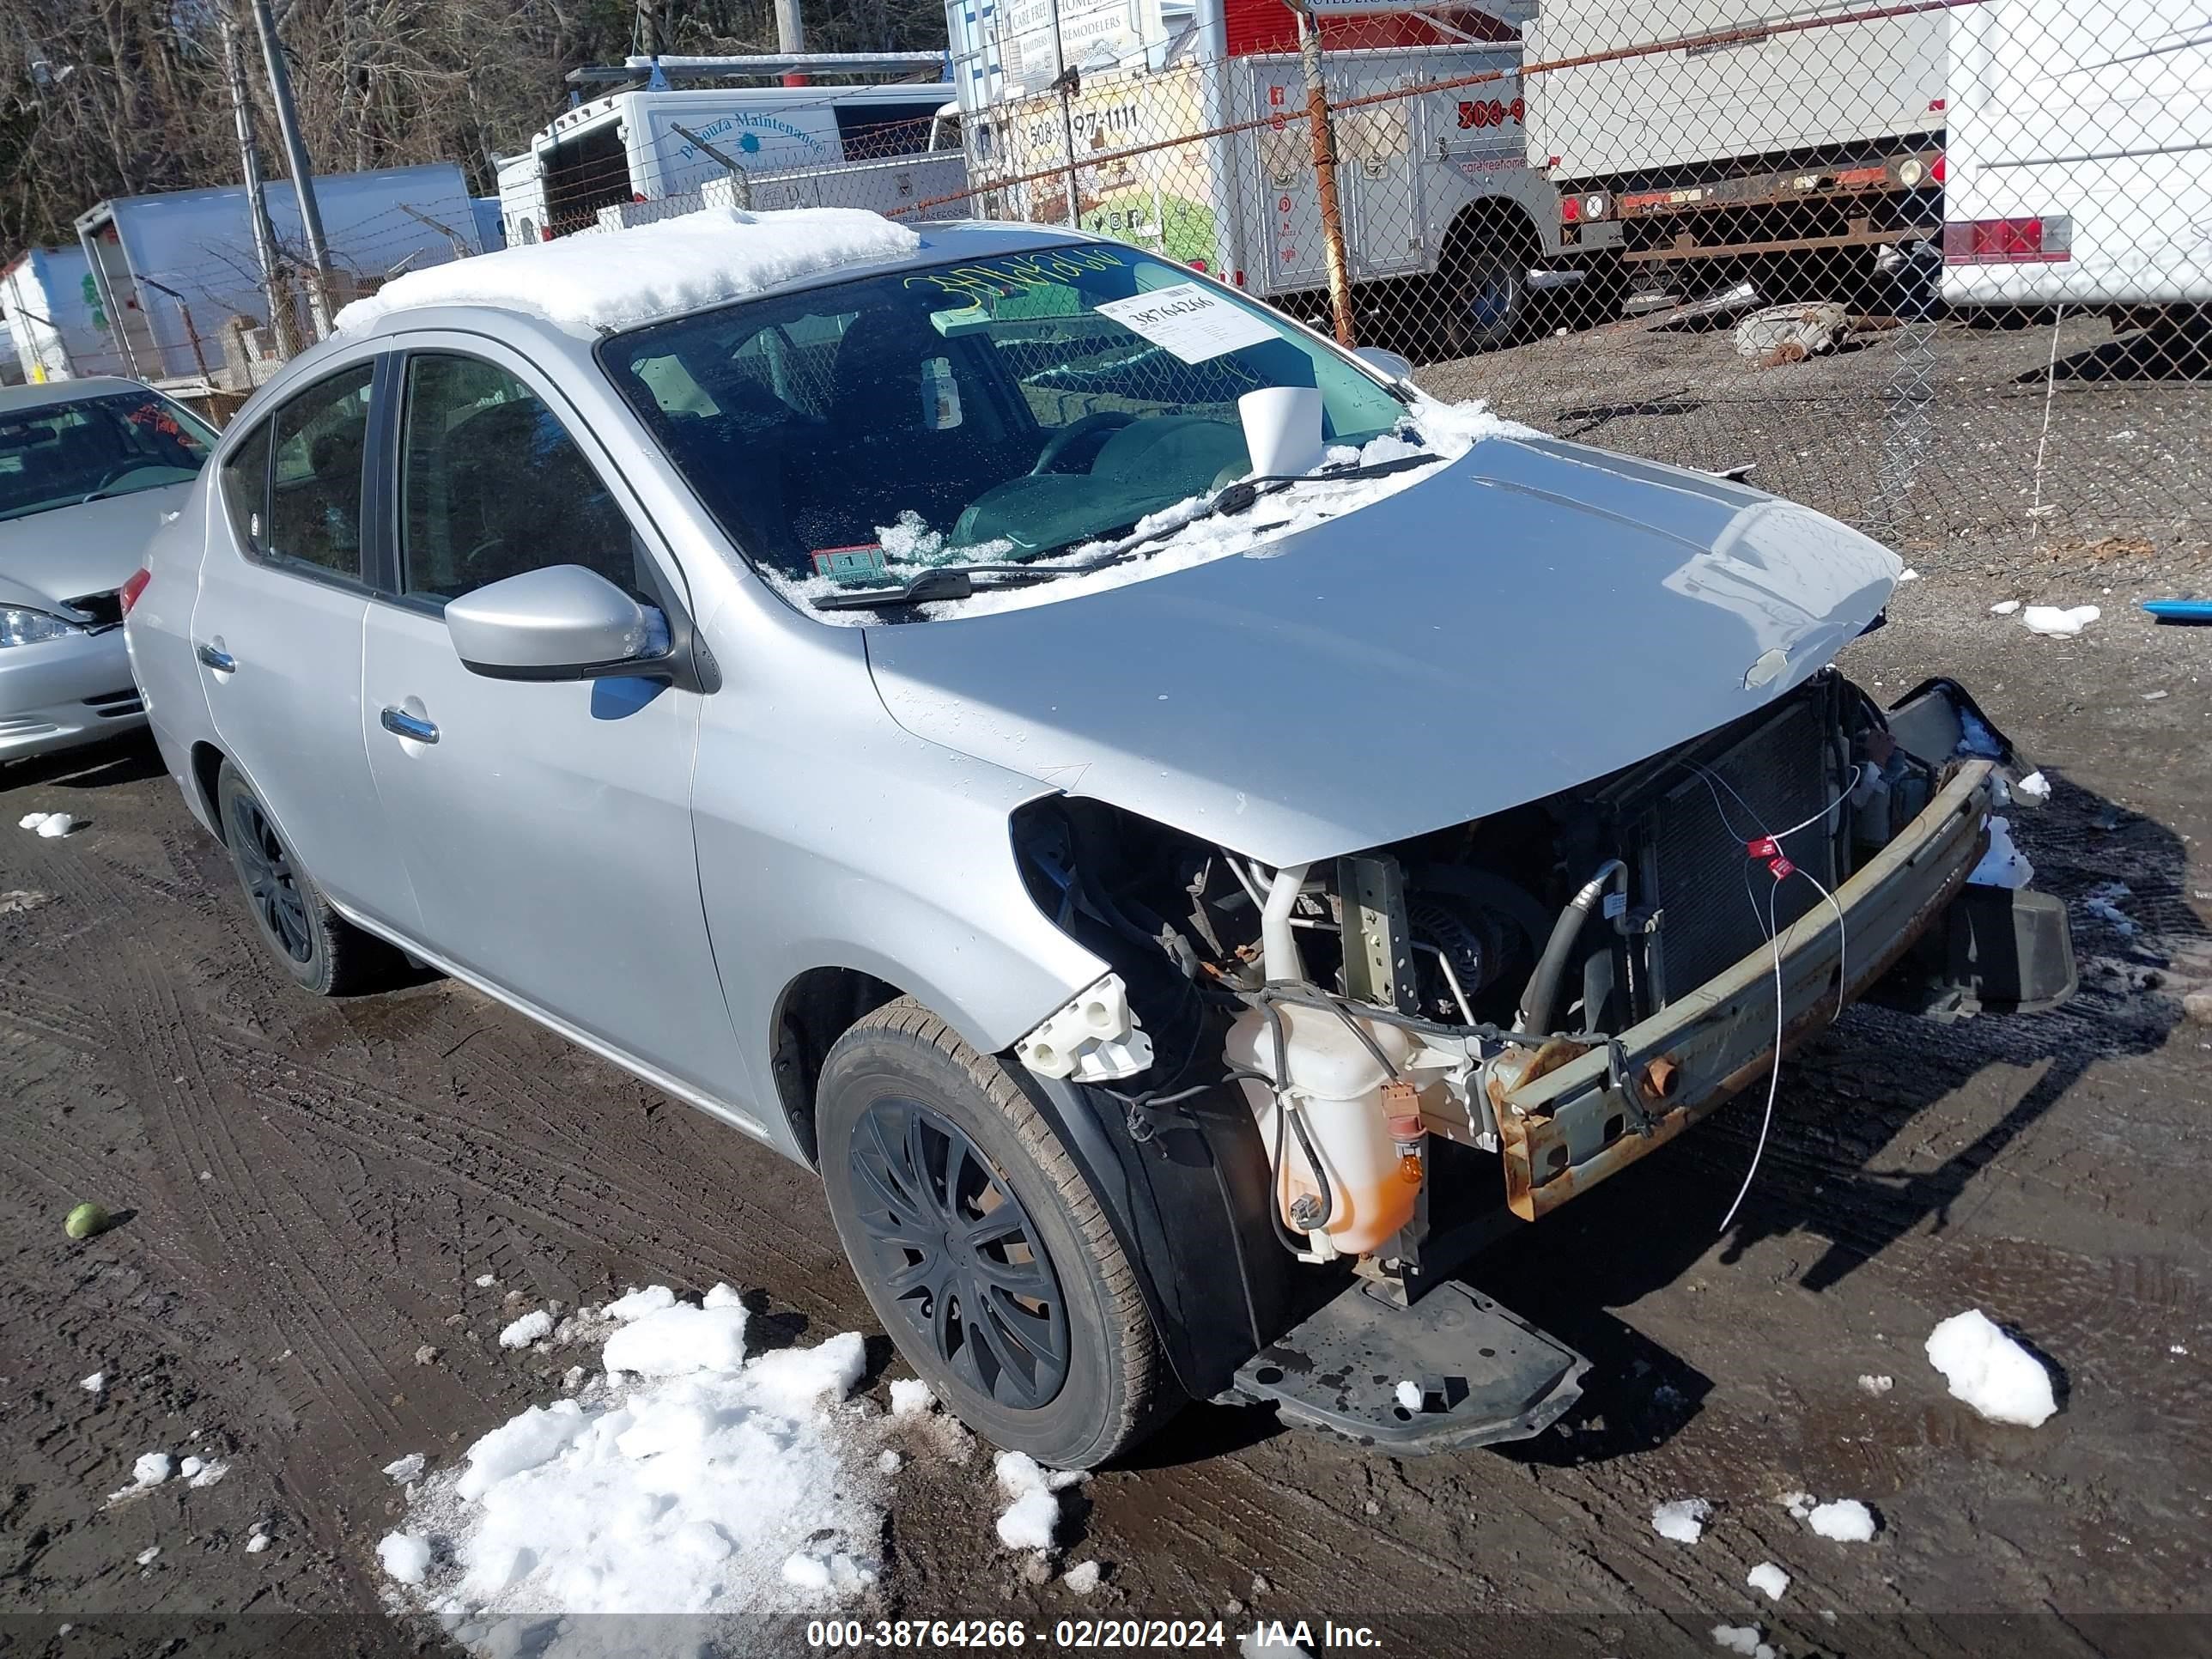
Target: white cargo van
2080, 158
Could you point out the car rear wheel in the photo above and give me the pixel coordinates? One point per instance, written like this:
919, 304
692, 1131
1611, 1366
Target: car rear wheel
981, 1247
318, 947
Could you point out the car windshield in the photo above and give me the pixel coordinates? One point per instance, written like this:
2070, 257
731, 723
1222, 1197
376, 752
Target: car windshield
65, 453
998, 410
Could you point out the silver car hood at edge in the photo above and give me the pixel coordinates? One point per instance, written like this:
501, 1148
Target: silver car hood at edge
1533, 617
67, 552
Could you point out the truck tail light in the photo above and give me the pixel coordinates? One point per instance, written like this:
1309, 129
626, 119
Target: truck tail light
1939, 169
127, 595
2047, 240
1571, 209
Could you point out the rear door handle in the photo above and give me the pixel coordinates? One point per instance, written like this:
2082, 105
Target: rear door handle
401, 723
221, 661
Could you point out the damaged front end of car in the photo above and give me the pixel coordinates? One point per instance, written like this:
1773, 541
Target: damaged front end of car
1441, 1037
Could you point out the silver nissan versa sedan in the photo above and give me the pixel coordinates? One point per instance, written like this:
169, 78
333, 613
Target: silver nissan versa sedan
86, 468
1187, 836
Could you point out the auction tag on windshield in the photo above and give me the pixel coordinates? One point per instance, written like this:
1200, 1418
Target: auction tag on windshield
849, 564
1189, 321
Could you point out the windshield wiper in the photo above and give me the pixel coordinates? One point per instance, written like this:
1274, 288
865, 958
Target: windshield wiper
959, 582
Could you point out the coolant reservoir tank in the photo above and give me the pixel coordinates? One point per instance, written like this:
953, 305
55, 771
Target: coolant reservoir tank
1337, 1082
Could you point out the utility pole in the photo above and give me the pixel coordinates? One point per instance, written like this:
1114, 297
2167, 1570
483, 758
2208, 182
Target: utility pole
281, 322
1324, 163
295, 155
790, 37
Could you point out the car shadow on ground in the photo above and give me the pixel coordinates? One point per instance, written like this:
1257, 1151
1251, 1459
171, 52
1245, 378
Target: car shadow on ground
2142, 355
130, 757
1843, 1166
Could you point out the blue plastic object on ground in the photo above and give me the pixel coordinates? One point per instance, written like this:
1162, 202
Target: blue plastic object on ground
2184, 611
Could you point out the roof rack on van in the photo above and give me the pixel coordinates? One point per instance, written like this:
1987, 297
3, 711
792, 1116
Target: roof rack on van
759, 63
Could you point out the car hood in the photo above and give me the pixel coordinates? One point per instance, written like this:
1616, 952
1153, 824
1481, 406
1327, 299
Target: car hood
52, 557
1534, 616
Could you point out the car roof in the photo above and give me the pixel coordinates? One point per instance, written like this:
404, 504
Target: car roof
941, 241
18, 399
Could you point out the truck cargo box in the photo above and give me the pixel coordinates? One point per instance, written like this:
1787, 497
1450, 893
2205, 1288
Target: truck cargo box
1766, 94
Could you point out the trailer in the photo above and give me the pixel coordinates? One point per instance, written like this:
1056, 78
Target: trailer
170, 270
1439, 205
644, 145
1789, 145
2080, 160
56, 321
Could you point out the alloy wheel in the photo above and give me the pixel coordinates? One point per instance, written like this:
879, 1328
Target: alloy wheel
272, 885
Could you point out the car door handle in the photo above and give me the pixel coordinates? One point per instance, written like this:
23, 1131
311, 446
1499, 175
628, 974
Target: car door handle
401, 723
221, 661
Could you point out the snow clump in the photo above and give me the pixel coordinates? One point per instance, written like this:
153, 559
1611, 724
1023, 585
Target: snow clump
1990, 1371
1682, 1520
1768, 1580
1845, 1520
527, 1330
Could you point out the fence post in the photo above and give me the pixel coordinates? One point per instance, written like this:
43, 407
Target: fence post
1324, 161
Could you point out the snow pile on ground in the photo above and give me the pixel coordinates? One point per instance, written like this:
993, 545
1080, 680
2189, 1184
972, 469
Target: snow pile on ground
202, 1471
1876, 1385
51, 825
527, 1330
1845, 1520
1033, 1516
2005, 607
1409, 1395
1682, 1520
616, 278
1768, 1580
94, 1383
1743, 1639
680, 1339
151, 1469
403, 1470
910, 1395
1990, 1371
2054, 620
686, 1480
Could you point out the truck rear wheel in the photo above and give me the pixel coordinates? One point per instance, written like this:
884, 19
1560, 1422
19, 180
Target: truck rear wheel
1485, 282
982, 1250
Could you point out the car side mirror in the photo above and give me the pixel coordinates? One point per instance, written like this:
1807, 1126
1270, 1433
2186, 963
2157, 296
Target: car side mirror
1388, 364
562, 623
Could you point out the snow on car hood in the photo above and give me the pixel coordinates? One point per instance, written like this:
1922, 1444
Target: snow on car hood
66, 552
1534, 616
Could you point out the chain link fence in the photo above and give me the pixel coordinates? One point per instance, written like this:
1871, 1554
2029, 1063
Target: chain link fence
1939, 268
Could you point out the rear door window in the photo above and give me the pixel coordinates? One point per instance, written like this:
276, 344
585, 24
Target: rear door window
316, 485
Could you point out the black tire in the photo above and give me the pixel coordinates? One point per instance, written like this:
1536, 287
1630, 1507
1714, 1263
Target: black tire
979, 1144
1486, 291
320, 949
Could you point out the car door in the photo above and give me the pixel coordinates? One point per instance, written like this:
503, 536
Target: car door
546, 825
277, 629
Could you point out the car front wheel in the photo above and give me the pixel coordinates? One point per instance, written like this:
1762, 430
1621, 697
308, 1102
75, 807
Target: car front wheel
981, 1247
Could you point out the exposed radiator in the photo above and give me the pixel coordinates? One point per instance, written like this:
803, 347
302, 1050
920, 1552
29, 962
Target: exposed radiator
1712, 894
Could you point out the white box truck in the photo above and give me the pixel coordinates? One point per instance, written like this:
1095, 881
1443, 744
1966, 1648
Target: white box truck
640, 146
170, 268
1792, 144
2079, 166
1441, 213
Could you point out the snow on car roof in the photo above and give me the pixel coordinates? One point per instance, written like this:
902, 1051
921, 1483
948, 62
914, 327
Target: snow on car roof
613, 279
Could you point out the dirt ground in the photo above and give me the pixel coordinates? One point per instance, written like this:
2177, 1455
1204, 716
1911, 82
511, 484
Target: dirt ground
309, 1190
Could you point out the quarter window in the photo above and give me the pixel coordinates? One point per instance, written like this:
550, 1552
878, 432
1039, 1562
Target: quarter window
316, 485
492, 485
246, 488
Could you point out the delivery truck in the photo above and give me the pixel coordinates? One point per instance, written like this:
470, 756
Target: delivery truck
57, 322
644, 145
1442, 213
1794, 147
